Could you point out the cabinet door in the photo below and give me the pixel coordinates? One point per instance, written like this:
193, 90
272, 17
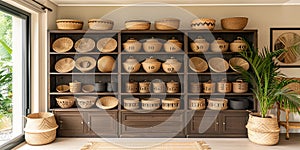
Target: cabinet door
204, 123
103, 123
233, 123
70, 124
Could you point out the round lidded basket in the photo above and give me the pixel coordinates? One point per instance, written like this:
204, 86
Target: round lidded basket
152, 45
238, 61
172, 45
137, 25
171, 65
199, 45
217, 104
173, 87
100, 24
158, 86
218, 64
239, 86
84, 45
107, 45
198, 64
86, 101
64, 65
69, 24
62, 44
131, 103
132, 87
197, 103
144, 87
238, 45
131, 65
106, 64
62, 88
167, 24
195, 87
234, 23
107, 102
151, 65
203, 24
150, 103
75, 86
170, 103
85, 63
209, 87
88, 88
224, 86
65, 101
132, 45
219, 45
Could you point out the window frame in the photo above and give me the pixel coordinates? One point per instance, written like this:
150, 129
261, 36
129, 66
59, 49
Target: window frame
26, 54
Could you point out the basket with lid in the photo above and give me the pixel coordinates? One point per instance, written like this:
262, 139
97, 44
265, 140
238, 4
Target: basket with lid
170, 103
172, 45
75, 86
209, 87
217, 104
144, 87
197, 103
151, 65
171, 65
158, 86
173, 87
132, 45
219, 45
239, 86
195, 87
238, 45
150, 103
152, 45
224, 86
131, 65
199, 45
131, 103
132, 87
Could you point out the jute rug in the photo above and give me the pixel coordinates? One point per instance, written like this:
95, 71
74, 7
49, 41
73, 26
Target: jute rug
199, 145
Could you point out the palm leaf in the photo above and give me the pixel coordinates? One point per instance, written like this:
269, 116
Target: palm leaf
6, 51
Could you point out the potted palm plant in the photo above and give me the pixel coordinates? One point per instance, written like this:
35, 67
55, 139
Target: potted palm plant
269, 88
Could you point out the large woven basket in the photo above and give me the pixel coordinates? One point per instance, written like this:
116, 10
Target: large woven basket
218, 64
167, 24
263, 131
86, 101
64, 65
198, 64
238, 61
69, 24
234, 23
40, 138
65, 101
170, 103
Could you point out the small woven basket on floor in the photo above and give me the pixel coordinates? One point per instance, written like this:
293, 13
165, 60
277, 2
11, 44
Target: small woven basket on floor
263, 131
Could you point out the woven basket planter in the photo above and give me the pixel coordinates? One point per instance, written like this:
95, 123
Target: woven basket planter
263, 131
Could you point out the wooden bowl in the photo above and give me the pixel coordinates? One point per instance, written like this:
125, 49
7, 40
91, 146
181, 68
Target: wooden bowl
198, 64
238, 61
64, 65
107, 102
234, 23
84, 45
62, 88
218, 64
107, 45
85, 63
106, 64
62, 44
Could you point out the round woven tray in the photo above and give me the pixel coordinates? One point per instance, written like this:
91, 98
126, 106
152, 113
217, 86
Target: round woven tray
107, 45
238, 61
107, 102
64, 65
84, 45
218, 64
106, 64
85, 63
62, 45
198, 64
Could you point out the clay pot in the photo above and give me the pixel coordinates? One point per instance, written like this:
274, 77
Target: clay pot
238, 45
132, 45
219, 45
152, 45
172, 45
171, 65
151, 65
131, 65
199, 45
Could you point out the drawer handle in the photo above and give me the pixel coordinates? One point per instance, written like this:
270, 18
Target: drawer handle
224, 123
81, 122
217, 123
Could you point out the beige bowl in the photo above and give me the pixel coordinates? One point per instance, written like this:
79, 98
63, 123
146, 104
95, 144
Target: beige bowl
167, 24
107, 102
69, 24
62, 44
85, 63
86, 101
198, 64
64, 65
218, 64
84, 45
100, 24
107, 45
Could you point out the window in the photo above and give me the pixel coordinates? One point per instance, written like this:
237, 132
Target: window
14, 73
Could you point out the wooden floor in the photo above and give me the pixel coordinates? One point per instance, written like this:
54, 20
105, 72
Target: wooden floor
215, 143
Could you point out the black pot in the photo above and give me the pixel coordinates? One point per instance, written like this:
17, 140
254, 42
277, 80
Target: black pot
100, 87
238, 103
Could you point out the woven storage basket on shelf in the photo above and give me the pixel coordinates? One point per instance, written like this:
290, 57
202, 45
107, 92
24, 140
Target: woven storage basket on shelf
69, 24
234, 23
197, 103
65, 101
40, 128
217, 104
238, 61
239, 86
106, 64
198, 64
150, 103
64, 65
107, 45
218, 64
88, 88
62, 88
170, 103
131, 103
62, 44
107, 102
151, 65
86, 101
100, 24
84, 45
137, 25
167, 24
75, 86
263, 131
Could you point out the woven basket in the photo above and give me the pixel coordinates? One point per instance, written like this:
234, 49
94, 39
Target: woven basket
218, 64
106, 64
100, 24
107, 45
86, 101
197, 103
137, 25
198, 64
152, 45
39, 122
151, 65
173, 87
172, 46
238, 61
170, 103
69, 24
195, 87
62, 44
132, 87
62, 88
234, 23
107, 102
88, 88
239, 86
75, 86
144, 87
209, 87
203, 24
171, 65
217, 104
84, 45
41, 137
150, 103
85, 63
65, 101
131, 103
167, 24
224, 86
132, 45
131, 65
263, 131
64, 65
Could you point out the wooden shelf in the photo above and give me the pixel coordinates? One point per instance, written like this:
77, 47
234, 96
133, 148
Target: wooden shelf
157, 53
81, 73
214, 53
88, 53
220, 94
158, 94
214, 73
95, 93
157, 73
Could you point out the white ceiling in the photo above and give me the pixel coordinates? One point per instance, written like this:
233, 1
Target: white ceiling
173, 2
